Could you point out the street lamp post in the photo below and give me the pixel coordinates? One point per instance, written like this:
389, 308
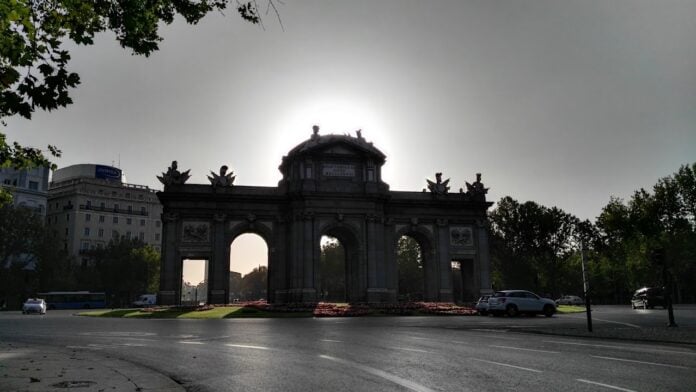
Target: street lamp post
659, 258
586, 286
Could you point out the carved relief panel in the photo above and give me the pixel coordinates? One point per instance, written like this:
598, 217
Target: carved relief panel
195, 232
461, 237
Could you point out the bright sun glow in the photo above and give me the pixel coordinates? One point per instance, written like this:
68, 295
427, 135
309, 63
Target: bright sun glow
337, 116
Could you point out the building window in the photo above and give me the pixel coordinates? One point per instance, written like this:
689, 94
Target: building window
101, 218
33, 185
158, 223
116, 207
129, 221
115, 219
67, 217
142, 222
157, 237
86, 231
114, 234
89, 204
140, 197
88, 217
141, 236
130, 209
142, 210
102, 205
127, 195
101, 233
128, 234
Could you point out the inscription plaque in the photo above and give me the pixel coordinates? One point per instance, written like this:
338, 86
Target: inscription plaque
337, 170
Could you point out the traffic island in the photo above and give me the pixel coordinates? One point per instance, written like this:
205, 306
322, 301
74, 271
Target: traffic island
261, 309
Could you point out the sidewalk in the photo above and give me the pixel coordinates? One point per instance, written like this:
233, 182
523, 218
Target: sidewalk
34, 368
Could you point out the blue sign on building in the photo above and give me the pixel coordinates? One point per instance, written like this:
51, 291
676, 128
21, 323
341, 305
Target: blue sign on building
107, 173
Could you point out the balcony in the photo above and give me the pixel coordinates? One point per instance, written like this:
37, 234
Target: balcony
113, 210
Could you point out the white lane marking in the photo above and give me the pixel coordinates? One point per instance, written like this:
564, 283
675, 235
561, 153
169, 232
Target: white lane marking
380, 373
411, 349
489, 330
248, 346
190, 342
332, 341
420, 338
526, 349
623, 347
508, 365
607, 321
605, 385
643, 362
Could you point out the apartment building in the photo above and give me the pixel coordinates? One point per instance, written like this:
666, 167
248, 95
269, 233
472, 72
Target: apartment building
29, 188
89, 205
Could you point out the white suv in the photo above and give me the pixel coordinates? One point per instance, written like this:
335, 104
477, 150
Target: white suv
514, 302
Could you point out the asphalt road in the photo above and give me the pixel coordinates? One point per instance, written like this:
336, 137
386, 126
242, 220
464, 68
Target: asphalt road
378, 353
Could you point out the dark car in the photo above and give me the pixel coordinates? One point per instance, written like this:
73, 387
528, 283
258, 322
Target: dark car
648, 298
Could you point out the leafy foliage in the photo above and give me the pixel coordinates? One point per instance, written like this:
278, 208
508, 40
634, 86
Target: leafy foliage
538, 248
255, 283
124, 269
33, 61
333, 272
30, 257
410, 265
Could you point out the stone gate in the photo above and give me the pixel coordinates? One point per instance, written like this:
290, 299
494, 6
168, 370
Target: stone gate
332, 185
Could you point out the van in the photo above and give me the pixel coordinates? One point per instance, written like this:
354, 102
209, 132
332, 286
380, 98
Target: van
648, 298
145, 300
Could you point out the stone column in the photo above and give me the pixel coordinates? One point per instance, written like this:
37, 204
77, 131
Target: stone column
309, 254
376, 264
170, 268
444, 262
218, 265
391, 270
484, 260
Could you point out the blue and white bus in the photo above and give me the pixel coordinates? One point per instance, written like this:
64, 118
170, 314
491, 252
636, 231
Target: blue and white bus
73, 299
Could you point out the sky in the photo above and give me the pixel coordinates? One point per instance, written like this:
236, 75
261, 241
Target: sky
565, 103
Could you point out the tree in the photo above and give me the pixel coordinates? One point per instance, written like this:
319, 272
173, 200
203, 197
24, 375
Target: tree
125, 268
332, 269
532, 246
27, 252
33, 60
410, 264
254, 284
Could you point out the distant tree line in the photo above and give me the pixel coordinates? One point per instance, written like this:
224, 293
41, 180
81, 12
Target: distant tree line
627, 247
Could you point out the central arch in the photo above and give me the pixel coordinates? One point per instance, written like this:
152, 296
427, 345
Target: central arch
354, 287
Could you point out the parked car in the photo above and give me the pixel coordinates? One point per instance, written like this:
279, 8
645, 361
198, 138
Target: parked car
648, 298
482, 305
514, 302
34, 305
145, 300
570, 300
